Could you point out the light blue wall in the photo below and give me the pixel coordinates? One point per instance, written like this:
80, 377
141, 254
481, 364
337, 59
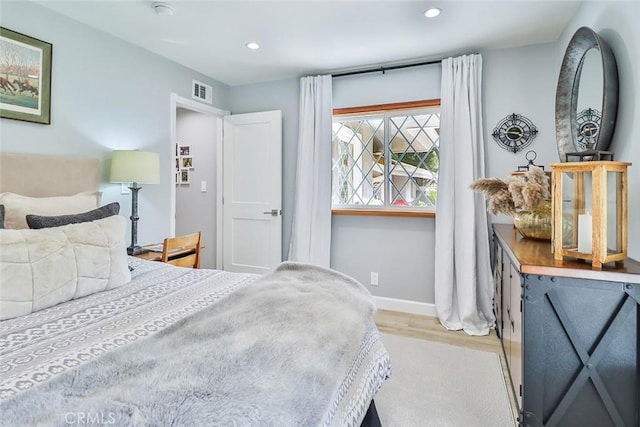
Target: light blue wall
106, 94
408, 84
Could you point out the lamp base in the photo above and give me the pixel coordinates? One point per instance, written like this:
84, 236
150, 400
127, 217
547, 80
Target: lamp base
136, 250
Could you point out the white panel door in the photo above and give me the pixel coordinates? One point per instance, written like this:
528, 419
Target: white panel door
252, 196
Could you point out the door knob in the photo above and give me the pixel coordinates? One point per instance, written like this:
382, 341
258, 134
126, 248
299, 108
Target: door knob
272, 212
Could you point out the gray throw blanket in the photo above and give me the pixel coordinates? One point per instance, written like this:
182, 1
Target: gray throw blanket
273, 353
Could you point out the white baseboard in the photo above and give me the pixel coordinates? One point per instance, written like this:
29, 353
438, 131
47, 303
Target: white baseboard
405, 306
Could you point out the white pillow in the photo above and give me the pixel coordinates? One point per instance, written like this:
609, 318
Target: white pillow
44, 267
17, 206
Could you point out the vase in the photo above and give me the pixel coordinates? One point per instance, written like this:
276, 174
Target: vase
535, 224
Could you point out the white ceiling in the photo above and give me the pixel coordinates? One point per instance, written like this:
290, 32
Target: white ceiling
318, 36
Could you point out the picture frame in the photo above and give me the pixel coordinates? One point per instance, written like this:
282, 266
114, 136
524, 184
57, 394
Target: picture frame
185, 150
184, 176
186, 162
25, 77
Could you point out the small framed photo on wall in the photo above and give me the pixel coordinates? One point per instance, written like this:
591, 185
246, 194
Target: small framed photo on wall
185, 150
186, 162
184, 176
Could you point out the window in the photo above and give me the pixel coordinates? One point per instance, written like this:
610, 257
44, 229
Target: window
386, 157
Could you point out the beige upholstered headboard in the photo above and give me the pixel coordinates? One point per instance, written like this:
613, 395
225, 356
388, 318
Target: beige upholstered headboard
44, 176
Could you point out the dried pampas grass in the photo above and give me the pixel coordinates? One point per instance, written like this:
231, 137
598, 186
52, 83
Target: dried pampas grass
516, 185
497, 191
532, 194
501, 203
537, 175
515, 192
489, 186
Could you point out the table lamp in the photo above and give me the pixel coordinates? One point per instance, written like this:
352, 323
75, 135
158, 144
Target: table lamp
135, 167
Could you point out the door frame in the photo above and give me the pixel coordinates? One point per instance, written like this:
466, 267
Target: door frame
188, 104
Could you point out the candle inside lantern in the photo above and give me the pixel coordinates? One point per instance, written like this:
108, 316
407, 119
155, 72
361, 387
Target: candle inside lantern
584, 233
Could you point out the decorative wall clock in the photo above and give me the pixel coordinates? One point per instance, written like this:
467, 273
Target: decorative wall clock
514, 132
588, 126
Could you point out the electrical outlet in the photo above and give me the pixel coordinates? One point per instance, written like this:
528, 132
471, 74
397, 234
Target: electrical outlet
203, 186
124, 188
374, 278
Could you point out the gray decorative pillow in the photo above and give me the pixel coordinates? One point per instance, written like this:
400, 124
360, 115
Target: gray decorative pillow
1, 216
39, 221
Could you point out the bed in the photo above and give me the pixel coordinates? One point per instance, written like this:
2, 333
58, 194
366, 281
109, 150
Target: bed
175, 346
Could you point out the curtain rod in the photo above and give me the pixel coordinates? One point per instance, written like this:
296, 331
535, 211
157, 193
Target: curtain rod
385, 69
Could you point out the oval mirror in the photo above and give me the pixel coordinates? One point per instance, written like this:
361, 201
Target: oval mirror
586, 96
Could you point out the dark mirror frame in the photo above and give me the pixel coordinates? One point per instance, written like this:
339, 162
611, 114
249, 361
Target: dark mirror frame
567, 92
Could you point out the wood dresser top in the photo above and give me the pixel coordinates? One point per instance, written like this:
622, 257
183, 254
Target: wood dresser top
532, 256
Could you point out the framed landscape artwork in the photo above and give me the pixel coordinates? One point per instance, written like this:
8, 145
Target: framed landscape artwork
25, 77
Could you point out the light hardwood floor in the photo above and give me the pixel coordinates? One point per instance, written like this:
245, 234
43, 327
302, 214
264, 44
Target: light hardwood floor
430, 329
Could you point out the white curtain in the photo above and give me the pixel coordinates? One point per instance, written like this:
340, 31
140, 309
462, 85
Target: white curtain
311, 228
463, 282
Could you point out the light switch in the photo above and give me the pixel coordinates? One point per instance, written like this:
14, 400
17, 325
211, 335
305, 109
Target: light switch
124, 188
374, 278
203, 186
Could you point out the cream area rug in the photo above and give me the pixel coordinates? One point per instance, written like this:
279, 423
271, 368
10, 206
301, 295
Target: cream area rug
435, 384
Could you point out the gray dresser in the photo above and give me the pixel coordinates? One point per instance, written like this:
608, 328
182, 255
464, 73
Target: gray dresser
570, 334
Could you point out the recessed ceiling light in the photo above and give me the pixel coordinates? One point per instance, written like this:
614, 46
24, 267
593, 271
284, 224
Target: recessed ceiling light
163, 8
432, 13
253, 45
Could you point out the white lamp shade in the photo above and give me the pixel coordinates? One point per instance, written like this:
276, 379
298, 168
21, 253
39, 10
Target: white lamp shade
142, 167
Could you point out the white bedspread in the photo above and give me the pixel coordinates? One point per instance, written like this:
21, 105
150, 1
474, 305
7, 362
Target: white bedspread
37, 350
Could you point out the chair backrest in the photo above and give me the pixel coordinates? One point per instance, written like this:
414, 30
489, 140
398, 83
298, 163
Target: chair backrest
183, 251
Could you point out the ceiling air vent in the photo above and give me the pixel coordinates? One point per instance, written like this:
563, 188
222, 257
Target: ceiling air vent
202, 92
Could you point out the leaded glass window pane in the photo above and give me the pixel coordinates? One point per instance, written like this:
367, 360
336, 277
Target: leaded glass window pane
413, 171
358, 173
387, 160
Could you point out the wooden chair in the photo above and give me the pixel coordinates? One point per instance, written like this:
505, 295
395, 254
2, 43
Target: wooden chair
183, 251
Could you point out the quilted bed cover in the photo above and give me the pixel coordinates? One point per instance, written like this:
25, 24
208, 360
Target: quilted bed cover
175, 346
